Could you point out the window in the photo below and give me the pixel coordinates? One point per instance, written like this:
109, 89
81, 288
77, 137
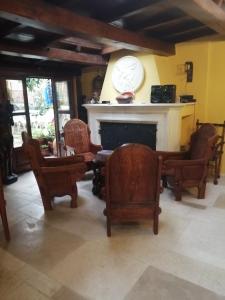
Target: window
37, 109
16, 97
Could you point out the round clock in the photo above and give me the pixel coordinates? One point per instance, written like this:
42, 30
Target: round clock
127, 74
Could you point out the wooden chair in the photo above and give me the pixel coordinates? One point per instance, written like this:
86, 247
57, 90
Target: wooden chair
48, 150
3, 212
217, 155
55, 176
77, 141
132, 185
190, 168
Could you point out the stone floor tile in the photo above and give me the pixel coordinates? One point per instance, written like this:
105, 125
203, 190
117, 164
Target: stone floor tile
39, 244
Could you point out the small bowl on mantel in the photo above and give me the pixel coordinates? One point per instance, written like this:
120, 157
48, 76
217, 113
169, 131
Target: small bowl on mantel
125, 98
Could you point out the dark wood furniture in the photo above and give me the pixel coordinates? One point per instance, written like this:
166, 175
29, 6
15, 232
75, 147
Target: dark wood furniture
6, 142
190, 168
132, 186
55, 176
3, 212
77, 141
98, 166
217, 155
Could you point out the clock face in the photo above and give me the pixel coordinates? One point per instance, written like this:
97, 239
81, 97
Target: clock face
127, 74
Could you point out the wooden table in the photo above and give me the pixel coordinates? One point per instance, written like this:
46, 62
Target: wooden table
98, 164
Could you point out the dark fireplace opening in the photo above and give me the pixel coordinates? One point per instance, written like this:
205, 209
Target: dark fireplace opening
115, 134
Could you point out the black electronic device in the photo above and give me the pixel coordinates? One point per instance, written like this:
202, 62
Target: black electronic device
187, 98
168, 93
163, 93
156, 93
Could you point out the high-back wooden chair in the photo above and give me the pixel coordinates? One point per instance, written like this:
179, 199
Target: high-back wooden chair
216, 158
190, 168
77, 140
132, 185
55, 176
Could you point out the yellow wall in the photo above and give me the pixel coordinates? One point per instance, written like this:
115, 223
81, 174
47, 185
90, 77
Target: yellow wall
216, 83
167, 70
216, 86
208, 85
88, 74
151, 76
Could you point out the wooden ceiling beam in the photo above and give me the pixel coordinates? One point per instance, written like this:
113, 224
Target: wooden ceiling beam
109, 50
207, 12
8, 29
169, 23
153, 8
52, 54
187, 31
7, 69
76, 41
38, 14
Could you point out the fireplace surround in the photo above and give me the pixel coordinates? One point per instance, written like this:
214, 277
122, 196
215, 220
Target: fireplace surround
166, 117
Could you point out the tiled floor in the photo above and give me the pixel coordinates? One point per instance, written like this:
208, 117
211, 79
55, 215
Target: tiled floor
65, 254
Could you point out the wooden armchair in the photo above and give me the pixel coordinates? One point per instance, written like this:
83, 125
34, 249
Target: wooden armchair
55, 176
217, 155
77, 140
190, 168
132, 185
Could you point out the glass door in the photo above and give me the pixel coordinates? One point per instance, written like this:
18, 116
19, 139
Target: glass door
62, 105
42, 106
41, 111
17, 95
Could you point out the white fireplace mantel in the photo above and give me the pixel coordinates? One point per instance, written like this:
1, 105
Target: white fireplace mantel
167, 117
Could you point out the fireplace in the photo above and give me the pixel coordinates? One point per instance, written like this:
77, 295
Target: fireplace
164, 119
115, 134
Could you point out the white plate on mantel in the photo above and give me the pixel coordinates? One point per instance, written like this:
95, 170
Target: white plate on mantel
127, 74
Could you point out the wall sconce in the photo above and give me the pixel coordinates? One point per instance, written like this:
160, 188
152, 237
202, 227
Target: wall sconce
188, 67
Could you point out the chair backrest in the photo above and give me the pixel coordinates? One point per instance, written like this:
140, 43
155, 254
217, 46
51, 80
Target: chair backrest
25, 136
132, 176
33, 151
220, 128
203, 141
77, 136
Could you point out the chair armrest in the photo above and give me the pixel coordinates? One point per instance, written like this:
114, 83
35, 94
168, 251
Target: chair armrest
95, 148
176, 155
78, 167
58, 161
184, 163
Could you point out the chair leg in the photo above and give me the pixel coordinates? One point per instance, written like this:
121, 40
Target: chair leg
46, 203
201, 191
156, 223
216, 172
74, 197
5, 223
108, 226
178, 191
164, 181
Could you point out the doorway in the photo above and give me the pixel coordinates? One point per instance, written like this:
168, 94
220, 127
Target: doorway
42, 106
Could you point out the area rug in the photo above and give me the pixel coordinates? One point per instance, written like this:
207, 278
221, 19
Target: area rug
158, 285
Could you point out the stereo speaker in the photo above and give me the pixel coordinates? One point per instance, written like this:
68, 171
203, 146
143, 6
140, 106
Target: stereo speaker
169, 93
163, 93
156, 93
